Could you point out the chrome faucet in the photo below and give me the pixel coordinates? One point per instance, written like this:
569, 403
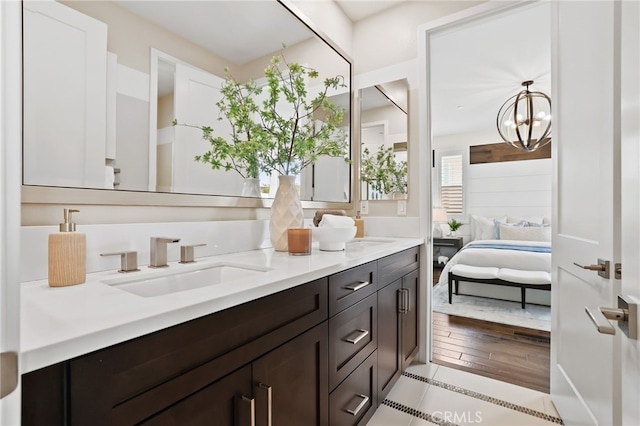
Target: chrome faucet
159, 251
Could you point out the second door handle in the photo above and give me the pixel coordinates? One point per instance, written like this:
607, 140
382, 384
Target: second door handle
602, 267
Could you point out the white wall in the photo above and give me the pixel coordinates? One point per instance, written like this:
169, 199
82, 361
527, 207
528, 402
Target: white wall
390, 37
513, 188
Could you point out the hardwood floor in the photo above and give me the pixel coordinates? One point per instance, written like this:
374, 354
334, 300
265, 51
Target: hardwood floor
436, 275
508, 353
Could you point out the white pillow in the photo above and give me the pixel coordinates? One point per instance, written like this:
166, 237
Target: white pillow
525, 233
497, 225
483, 228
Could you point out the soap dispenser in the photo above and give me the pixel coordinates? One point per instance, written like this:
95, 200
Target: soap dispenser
359, 226
67, 254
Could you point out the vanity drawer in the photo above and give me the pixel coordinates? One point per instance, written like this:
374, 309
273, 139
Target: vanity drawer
351, 286
353, 336
355, 400
392, 267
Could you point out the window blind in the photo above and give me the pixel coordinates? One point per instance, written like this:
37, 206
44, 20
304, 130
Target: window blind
451, 183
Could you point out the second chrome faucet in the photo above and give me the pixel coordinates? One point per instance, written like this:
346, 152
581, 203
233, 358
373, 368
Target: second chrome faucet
159, 251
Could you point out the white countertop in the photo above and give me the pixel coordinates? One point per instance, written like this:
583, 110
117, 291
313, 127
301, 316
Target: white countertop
64, 322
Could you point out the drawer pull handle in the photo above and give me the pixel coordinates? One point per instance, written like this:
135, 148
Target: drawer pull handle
356, 287
445, 245
361, 335
245, 417
355, 411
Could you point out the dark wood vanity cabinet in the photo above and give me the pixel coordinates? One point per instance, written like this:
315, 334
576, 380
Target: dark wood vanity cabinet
286, 386
325, 352
398, 305
353, 341
200, 368
373, 335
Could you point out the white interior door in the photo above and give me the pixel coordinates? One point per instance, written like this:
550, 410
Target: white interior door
195, 97
10, 180
630, 194
595, 378
584, 380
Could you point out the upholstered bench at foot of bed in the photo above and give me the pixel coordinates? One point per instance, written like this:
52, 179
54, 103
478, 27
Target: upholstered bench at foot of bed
540, 280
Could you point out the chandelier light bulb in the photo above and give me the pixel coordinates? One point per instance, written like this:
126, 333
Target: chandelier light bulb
524, 120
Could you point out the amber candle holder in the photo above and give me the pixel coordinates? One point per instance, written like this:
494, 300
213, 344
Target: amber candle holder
299, 240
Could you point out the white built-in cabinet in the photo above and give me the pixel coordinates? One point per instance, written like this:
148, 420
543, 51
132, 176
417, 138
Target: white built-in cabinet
64, 145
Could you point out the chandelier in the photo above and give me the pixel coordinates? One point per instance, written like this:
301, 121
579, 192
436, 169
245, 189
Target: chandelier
524, 120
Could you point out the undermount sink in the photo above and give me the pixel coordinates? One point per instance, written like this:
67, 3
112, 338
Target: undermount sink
361, 243
185, 278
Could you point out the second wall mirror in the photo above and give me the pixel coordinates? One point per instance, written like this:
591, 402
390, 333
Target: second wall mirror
384, 141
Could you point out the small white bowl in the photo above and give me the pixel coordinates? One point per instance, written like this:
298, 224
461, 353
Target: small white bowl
333, 239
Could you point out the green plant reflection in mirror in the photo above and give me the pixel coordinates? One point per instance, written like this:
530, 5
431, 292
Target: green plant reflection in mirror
384, 141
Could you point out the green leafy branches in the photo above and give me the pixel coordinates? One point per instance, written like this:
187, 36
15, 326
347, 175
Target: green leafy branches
382, 172
239, 152
284, 132
297, 130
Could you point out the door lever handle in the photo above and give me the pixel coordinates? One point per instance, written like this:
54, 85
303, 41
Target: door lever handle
602, 267
626, 314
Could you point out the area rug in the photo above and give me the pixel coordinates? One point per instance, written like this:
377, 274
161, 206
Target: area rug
501, 311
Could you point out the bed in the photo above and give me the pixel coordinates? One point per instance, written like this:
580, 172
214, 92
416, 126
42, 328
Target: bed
503, 254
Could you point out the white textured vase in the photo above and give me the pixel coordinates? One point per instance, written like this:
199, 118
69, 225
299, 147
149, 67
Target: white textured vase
286, 212
251, 187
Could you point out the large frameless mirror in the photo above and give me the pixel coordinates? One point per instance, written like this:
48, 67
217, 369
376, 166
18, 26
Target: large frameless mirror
104, 80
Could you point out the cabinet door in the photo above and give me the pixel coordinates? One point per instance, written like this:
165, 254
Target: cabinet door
43, 396
226, 403
291, 382
64, 145
389, 367
409, 317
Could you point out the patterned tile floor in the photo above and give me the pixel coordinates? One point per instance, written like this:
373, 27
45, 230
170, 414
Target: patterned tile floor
429, 394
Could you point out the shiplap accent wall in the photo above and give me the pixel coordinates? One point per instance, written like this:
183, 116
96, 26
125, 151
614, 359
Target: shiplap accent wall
515, 188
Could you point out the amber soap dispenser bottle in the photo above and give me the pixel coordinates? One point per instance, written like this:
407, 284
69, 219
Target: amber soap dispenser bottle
67, 254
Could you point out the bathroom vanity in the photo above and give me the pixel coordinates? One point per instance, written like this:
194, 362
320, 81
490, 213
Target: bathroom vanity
314, 339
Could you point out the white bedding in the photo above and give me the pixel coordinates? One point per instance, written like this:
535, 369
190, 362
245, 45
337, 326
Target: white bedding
500, 258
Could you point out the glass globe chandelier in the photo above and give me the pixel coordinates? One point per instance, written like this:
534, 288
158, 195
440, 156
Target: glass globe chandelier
524, 120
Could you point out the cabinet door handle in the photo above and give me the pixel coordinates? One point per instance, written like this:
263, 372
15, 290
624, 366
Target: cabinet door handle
356, 410
262, 386
407, 304
356, 287
403, 300
361, 335
245, 416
